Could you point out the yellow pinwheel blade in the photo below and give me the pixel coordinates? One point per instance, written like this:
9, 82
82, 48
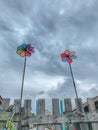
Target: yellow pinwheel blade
19, 51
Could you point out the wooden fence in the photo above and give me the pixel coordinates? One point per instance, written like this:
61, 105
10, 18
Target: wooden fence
62, 118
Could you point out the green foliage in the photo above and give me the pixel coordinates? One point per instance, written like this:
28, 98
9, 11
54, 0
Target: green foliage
3, 124
4, 116
9, 123
33, 115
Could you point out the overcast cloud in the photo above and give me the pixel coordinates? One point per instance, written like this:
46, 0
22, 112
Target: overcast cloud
52, 26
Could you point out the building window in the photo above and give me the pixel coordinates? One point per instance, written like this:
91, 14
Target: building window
86, 109
96, 105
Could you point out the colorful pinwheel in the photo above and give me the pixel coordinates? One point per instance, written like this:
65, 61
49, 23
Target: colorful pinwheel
68, 56
25, 50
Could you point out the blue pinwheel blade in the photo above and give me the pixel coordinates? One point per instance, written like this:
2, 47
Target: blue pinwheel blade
28, 45
64, 59
24, 46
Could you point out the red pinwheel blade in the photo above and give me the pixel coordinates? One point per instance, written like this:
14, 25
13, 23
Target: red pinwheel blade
28, 53
69, 60
63, 55
25, 53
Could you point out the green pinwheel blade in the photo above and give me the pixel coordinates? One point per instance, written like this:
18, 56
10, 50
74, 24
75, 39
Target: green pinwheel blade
73, 56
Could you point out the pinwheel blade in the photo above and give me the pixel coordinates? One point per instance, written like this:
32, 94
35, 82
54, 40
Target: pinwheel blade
23, 54
64, 59
73, 56
28, 53
72, 53
20, 48
67, 52
69, 60
24, 46
19, 52
63, 55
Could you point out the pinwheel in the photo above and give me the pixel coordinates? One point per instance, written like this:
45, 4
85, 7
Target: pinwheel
25, 50
68, 56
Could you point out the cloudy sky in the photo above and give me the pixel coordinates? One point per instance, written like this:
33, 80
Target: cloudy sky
52, 26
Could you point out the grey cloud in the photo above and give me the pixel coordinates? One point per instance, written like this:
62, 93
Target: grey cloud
41, 92
52, 26
65, 90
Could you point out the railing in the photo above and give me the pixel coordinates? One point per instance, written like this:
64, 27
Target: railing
62, 117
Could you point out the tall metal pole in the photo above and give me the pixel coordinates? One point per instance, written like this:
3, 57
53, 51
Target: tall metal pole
21, 96
73, 81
